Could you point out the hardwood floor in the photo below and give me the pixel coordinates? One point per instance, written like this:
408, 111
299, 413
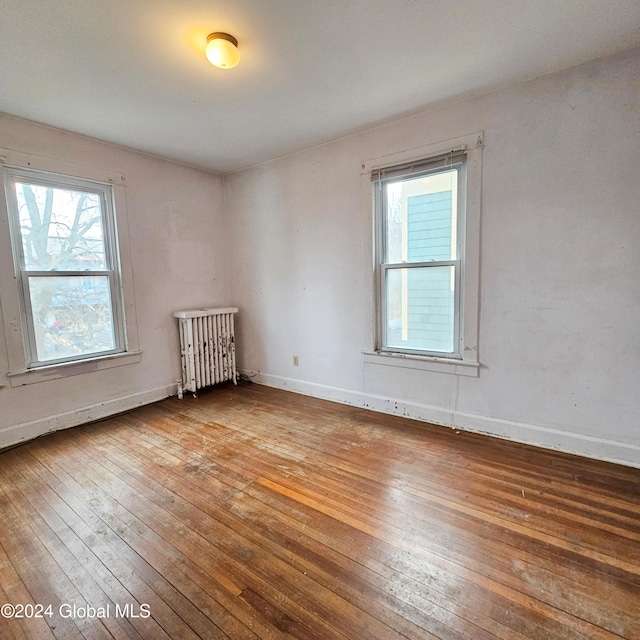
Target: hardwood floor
255, 513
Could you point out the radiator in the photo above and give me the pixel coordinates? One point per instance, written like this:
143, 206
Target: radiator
207, 348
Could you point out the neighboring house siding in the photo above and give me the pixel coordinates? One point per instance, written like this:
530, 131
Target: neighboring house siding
430, 299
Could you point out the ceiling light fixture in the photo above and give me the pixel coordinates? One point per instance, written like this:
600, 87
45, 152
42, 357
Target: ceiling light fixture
222, 50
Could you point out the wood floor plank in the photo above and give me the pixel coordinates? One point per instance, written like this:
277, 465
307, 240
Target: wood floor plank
361, 480
113, 534
253, 513
241, 549
527, 508
476, 632
92, 594
631, 550
150, 548
165, 481
122, 585
34, 564
171, 515
591, 608
13, 591
438, 582
239, 524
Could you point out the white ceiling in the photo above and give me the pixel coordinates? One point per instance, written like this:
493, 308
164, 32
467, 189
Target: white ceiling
133, 72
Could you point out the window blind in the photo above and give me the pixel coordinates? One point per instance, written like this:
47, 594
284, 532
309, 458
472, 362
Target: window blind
407, 169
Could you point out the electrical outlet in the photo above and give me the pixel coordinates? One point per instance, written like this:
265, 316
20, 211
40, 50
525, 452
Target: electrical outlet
296, 361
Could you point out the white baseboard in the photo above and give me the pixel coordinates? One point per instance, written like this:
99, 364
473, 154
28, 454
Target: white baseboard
29, 430
587, 446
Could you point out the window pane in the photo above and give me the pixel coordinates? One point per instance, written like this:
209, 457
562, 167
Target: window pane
72, 316
421, 308
421, 218
61, 229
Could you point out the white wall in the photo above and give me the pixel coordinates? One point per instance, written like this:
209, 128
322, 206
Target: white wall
174, 223
560, 299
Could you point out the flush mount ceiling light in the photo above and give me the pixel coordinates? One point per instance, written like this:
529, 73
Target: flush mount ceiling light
222, 50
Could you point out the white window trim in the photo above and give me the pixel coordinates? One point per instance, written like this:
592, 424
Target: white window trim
469, 363
12, 317
74, 368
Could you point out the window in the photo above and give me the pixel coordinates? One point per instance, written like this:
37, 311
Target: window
426, 255
66, 262
421, 208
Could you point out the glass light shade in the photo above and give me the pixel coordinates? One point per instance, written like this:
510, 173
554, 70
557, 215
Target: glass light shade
222, 50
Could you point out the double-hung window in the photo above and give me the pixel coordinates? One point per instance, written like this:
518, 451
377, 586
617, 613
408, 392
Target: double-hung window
426, 218
66, 262
422, 218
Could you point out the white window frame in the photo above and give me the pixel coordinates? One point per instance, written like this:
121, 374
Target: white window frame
464, 360
23, 365
381, 178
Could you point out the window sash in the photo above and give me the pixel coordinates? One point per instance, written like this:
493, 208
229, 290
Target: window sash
384, 324
33, 358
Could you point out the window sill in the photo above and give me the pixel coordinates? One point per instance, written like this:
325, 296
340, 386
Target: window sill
468, 368
56, 371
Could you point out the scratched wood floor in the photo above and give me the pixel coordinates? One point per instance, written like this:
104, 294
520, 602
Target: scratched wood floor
255, 513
